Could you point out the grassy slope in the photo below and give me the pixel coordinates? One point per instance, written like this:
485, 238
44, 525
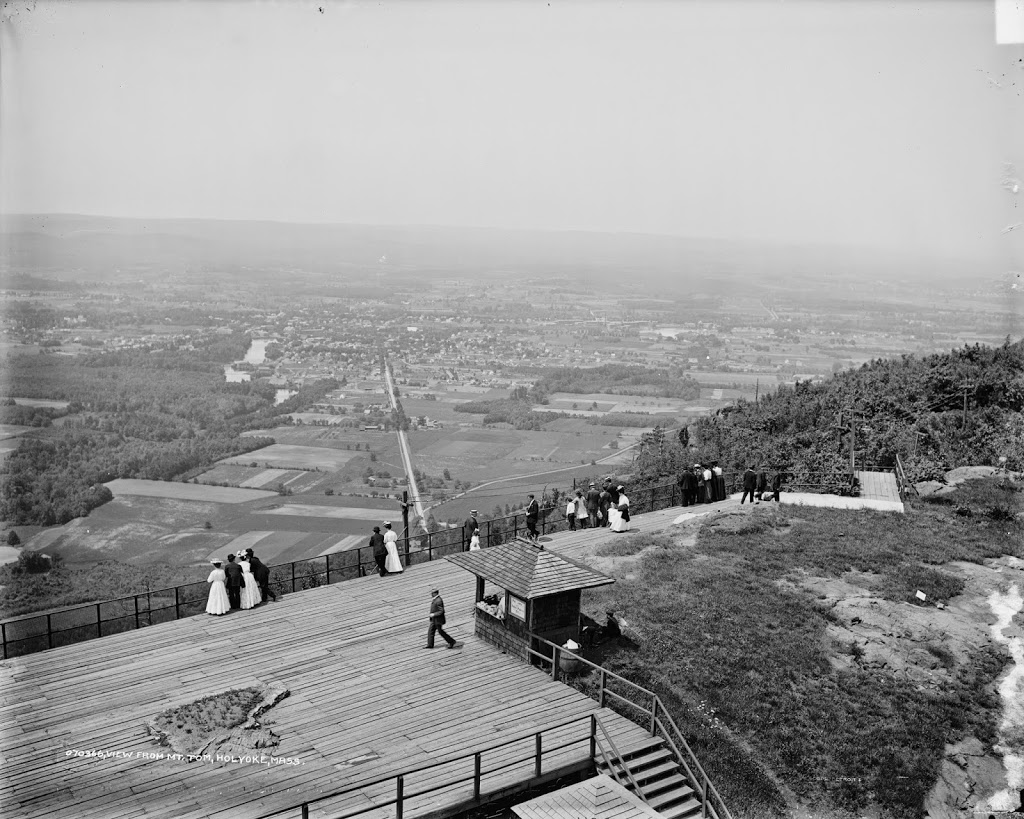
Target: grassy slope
743, 661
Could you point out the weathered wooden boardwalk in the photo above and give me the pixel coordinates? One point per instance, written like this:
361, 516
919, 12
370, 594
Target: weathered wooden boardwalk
367, 701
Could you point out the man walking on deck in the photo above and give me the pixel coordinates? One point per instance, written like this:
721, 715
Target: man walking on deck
437, 621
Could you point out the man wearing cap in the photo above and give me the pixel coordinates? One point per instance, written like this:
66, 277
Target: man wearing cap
234, 582
593, 500
437, 621
468, 528
380, 551
393, 564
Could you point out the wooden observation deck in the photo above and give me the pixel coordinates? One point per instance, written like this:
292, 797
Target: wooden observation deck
366, 702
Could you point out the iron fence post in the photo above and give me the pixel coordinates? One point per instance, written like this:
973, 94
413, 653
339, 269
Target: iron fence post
327, 559
99, 622
177, 604
654, 716
537, 756
3, 632
488, 533
476, 777
400, 787
49, 632
136, 612
593, 736
293, 575
305, 810
600, 694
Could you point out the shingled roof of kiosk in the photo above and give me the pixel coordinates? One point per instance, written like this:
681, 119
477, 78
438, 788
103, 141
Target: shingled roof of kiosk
600, 797
528, 570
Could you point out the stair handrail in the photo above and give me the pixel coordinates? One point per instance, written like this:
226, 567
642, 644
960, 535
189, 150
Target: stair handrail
616, 757
700, 780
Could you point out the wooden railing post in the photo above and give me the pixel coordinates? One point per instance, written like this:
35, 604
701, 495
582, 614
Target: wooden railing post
49, 632
305, 810
476, 777
3, 631
99, 622
537, 755
136, 612
593, 735
556, 655
400, 788
654, 716
600, 695
327, 564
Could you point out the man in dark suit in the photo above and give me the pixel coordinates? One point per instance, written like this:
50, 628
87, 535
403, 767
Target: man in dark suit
234, 582
468, 528
688, 487
532, 516
749, 484
437, 621
593, 501
380, 551
261, 573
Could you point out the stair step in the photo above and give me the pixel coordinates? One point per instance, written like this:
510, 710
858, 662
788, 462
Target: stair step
676, 782
646, 759
691, 807
669, 797
647, 774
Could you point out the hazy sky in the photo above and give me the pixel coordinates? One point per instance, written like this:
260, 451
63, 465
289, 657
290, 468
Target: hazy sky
876, 123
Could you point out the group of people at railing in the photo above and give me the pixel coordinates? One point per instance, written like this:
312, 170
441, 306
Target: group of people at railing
240, 582
607, 507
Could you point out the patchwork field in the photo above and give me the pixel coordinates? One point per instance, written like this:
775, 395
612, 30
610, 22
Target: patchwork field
12, 431
184, 491
292, 456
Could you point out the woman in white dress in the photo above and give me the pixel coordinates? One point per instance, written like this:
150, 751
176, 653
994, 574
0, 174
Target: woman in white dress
618, 515
474, 542
250, 596
218, 602
393, 564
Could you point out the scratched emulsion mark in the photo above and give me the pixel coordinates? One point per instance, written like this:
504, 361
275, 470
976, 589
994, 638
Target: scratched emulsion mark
1011, 690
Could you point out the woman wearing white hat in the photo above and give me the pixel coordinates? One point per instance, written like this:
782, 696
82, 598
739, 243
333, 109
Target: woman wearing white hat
218, 602
251, 596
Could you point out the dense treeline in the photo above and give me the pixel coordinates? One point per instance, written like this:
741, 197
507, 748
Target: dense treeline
620, 379
134, 414
909, 406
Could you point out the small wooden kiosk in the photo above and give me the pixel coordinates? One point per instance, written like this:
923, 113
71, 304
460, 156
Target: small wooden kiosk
539, 593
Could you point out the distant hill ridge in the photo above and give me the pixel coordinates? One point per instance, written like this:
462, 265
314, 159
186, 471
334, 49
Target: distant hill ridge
35, 242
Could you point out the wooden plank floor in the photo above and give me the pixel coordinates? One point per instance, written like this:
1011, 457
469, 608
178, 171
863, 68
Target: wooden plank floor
361, 685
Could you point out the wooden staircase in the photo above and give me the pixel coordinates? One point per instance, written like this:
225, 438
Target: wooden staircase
656, 773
